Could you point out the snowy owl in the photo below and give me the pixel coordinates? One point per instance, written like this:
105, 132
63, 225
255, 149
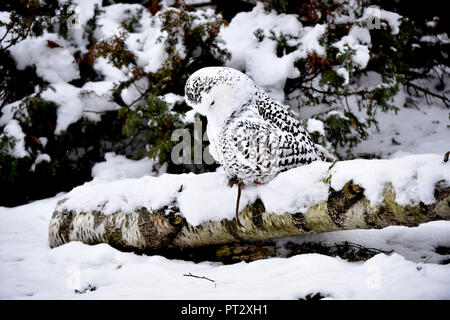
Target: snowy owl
251, 135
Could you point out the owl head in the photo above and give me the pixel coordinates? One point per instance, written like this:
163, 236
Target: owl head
216, 92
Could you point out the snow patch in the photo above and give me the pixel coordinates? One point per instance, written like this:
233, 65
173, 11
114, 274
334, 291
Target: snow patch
14, 130
70, 107
249, 53
313, 125
54, 65
40, 158
118, 167
90, 101
344, 74
310, 40
357, 40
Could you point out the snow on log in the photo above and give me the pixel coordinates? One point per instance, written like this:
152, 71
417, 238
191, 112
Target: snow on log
152, 214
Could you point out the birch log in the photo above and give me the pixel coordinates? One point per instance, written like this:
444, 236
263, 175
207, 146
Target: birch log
142, 230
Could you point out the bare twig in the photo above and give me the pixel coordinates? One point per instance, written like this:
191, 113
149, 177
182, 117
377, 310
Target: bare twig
447, 154
96, 111
429, 93
344, 94
346, 102
6, 33
373, 250
198, 277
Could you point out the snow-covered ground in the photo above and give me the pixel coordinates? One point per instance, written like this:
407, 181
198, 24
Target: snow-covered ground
29, 269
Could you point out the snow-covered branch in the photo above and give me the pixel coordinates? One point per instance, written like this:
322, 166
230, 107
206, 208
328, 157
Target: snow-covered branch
156, 213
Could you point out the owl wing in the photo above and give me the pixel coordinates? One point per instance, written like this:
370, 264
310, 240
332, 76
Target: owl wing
266, 149
279, 115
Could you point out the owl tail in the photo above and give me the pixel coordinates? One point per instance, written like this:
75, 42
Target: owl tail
327, 156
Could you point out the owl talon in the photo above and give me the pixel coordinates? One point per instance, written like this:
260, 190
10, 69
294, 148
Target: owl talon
232, 182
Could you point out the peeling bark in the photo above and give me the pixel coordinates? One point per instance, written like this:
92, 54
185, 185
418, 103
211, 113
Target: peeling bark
154, 231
